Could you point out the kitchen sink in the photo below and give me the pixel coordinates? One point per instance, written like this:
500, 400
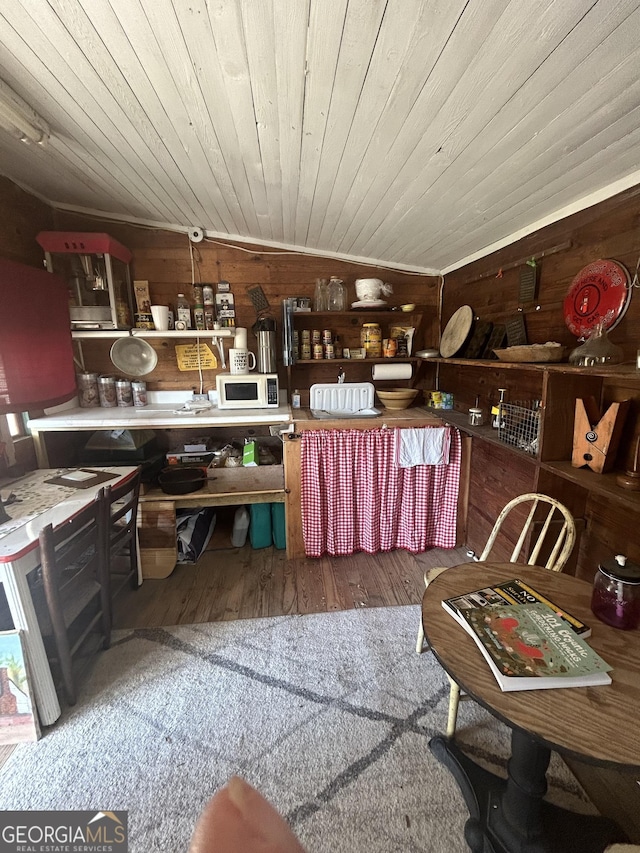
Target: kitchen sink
327, 415
343, 400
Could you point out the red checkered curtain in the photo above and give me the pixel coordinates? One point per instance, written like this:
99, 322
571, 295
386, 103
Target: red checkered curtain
356, 498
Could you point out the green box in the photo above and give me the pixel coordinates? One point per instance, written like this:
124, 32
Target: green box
250, 454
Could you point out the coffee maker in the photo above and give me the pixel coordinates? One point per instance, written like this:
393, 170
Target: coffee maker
265, 332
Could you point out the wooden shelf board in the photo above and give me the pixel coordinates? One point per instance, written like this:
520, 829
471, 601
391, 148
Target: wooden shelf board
304, 362
354, 312
627, 369
601, 484
208, 497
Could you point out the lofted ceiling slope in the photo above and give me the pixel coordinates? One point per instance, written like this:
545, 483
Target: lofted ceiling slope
412, 133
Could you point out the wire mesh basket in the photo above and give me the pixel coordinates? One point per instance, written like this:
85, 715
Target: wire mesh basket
519, 426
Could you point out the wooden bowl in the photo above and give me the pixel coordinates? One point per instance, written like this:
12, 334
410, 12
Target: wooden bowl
397, 398
533, 353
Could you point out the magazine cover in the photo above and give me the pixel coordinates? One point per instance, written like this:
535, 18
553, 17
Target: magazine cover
511, 592
18, 720
530, 647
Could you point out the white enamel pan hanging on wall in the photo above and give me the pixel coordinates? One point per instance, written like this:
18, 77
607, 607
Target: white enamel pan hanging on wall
133, 356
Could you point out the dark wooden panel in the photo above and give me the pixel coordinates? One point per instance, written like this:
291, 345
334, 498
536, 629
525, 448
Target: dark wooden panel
469, 383
610, 531
497, 475
22, 217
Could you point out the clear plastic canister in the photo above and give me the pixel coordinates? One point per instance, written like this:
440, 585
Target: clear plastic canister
475, 417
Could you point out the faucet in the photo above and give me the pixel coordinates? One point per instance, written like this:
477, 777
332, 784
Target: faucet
341, 376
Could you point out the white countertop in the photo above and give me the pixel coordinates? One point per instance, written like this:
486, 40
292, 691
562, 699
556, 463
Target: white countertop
40, 503
160, 412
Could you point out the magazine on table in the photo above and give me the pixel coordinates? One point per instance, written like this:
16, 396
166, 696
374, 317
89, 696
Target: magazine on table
510, 592
529, 647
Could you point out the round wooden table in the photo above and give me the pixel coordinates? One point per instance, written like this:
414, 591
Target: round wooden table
597, 724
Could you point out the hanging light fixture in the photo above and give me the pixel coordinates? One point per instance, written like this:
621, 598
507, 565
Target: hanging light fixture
18, 118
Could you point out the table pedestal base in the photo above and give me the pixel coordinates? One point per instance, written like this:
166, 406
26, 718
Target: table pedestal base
510, 815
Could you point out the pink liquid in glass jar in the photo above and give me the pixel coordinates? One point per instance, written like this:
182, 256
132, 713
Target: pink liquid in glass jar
616, 593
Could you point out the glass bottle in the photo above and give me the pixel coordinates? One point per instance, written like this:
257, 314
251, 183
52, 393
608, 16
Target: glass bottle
198, 308
321, 297
597, 349
183, 312
336, 294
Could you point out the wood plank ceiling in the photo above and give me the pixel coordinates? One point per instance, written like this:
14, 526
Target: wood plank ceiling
415, 133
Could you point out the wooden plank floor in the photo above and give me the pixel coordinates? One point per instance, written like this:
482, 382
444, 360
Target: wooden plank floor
243, 583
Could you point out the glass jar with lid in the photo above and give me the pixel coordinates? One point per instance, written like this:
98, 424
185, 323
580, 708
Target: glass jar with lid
616, 593
336, 301
371, 340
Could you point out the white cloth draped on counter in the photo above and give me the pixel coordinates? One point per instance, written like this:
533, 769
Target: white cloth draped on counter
356, 498
425, 446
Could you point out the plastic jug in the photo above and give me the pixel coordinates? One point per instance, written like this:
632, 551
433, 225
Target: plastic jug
240, 527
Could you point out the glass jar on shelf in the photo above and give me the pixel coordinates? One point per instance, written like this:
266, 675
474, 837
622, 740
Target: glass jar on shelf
321, 296
371, 340
336, 300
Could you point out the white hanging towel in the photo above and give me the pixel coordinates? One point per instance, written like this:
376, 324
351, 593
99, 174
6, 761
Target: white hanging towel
425, 446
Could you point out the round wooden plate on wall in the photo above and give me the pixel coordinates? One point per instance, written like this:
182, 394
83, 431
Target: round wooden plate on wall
456, 331
599, 293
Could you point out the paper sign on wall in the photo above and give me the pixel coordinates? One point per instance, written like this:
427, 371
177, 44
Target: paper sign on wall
187, 357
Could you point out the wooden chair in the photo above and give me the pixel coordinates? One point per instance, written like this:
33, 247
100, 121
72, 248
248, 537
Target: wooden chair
76, 585
559, 551
123, 552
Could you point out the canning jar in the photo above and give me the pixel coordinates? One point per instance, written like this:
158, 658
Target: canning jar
475, 417
616, 593
371, 340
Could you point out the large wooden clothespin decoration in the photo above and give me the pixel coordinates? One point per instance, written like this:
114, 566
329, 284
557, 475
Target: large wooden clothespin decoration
596, 437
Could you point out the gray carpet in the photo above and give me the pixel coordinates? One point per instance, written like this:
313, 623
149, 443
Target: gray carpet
328, 715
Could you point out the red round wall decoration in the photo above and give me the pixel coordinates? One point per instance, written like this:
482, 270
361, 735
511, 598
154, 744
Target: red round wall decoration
599, 293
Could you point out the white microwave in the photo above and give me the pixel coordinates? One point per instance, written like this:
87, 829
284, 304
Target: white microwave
247, 390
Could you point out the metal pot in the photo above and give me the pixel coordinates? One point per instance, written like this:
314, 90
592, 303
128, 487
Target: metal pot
180, 481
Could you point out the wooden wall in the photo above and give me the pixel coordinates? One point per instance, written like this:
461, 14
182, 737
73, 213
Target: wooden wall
22, 216
163, 259
490, 286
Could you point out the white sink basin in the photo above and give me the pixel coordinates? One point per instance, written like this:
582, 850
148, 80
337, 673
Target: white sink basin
363, 413
343, 400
